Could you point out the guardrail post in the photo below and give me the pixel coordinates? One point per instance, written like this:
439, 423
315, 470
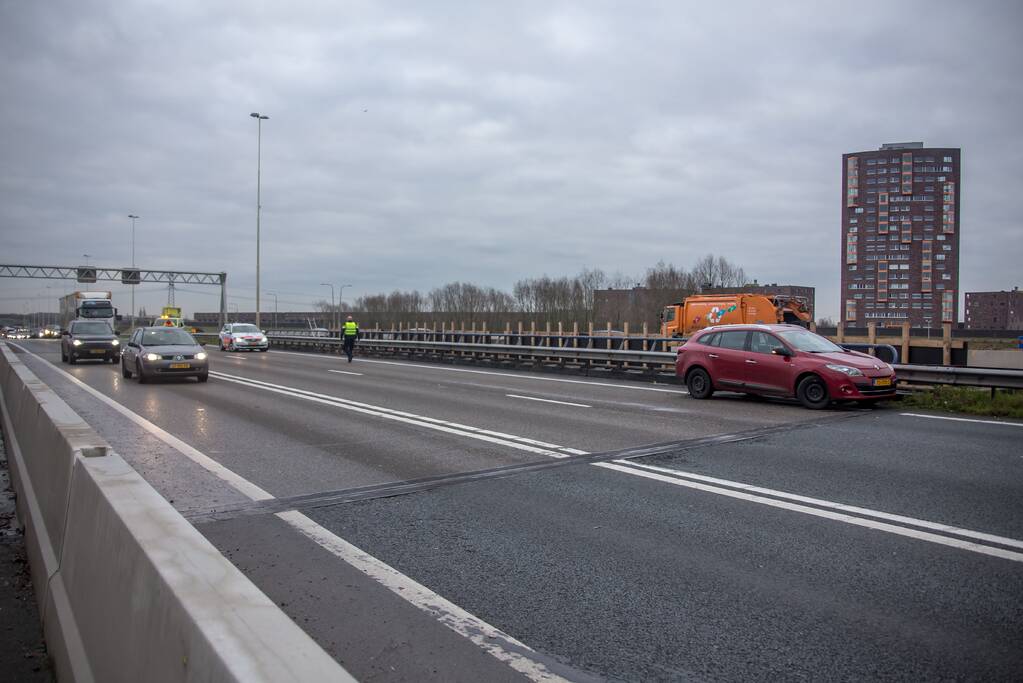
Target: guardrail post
575, 334
871, 333
905, 342
946, 343
840, 333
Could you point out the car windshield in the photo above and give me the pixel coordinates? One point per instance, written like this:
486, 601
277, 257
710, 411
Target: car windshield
91, 328
245, 328
804, 340
167, 336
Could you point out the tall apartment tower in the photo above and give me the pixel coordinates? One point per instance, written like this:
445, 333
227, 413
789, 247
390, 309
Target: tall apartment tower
900, 236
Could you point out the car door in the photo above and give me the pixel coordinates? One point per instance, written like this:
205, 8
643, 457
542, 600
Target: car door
131, 351
727, 359
766, 370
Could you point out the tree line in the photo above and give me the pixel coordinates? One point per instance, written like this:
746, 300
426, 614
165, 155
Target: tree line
545, 298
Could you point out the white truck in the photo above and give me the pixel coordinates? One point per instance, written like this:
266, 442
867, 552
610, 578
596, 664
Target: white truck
87, 306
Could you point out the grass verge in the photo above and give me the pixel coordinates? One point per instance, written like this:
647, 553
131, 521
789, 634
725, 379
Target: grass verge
968, 400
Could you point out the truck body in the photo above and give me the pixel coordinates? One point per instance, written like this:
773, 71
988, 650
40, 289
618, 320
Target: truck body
703, 310
87, 306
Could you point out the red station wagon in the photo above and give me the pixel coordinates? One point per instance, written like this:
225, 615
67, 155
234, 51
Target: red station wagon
780, 360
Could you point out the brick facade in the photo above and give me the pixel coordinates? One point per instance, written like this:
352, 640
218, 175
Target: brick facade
900, 236
994, 310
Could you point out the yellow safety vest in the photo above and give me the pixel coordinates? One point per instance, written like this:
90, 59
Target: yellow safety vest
351, 329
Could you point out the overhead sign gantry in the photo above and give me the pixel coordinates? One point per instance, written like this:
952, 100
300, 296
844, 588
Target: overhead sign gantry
126, 276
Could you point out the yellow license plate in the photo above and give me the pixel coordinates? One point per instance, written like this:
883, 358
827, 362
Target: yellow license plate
179, 366
883, 382
97, 351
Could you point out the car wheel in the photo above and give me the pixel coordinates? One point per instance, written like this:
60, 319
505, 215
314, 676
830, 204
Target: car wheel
125, 372
138, 370
264, 350
204, 377
813, 393
699, 383
71, 358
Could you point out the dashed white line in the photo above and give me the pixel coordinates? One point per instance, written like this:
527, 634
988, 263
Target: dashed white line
963, 419
549, 400
345, 372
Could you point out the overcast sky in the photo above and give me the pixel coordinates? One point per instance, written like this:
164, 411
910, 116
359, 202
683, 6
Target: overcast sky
415, 143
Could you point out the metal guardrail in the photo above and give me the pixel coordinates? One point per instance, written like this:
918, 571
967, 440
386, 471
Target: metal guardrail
562, 351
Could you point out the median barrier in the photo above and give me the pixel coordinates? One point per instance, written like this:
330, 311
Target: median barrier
128, 589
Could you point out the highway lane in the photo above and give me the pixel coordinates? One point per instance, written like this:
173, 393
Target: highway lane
619, 575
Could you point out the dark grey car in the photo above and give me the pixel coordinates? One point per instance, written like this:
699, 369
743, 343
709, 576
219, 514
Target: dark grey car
163, 352
89, 340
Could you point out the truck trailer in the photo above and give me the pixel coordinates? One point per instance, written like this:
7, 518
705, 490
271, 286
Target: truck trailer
703, 310
87, 306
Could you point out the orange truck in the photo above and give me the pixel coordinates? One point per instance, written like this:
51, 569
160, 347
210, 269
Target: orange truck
704, 310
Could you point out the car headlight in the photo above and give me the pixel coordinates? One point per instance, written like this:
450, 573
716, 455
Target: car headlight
77, 342
844, 369
115, 343
201, 355
152, 356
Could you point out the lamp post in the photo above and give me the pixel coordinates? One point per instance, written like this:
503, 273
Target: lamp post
333, 313
133, 218
235, 311
274, 295
340, 296
259, 153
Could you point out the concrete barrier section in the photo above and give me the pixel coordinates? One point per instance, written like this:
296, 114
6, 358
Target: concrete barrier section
129, 590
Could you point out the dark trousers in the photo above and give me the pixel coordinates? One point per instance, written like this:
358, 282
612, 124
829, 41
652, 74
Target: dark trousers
349, 347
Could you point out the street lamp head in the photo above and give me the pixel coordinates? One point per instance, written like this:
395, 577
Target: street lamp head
131, 215
257, 115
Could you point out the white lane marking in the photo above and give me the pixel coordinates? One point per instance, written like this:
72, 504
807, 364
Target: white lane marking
548, 400
500, 438
841, 507
963, 419
345, 372
489, 372
493, 641
619, 466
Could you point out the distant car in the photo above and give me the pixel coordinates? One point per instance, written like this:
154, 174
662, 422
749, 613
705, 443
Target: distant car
19, 333
89, 340
163, 352
780, 360
242, 337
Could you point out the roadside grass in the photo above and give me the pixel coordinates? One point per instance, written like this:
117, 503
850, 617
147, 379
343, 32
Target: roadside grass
968, 400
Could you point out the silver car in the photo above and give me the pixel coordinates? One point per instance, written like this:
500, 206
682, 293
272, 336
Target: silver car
243, 337
163, 352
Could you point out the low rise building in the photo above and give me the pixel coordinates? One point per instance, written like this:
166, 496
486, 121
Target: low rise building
994, 310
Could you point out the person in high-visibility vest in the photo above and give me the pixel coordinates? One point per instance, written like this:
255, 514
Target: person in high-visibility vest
350, 333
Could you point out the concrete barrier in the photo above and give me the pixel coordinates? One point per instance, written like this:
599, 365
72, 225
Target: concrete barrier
128, 590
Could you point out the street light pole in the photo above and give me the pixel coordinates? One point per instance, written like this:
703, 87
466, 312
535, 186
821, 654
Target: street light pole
340, 296
259, 153
333, 312
274, 295
133, 218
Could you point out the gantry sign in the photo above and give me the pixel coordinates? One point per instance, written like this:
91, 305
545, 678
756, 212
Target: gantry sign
126, 276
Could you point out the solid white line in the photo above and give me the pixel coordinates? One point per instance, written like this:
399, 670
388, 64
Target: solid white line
510, 440
836, 516
345, 372
547, 400
466, 624
841, 507
489, 372
492, 640
964, 419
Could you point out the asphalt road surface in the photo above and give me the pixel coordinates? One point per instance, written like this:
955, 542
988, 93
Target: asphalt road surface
437, 522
